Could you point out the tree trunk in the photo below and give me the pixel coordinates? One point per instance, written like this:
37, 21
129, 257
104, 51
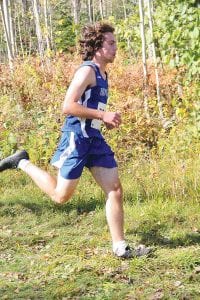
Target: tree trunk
30, 43
51, 28
12, 40
90, 10
3, 53
46, 24
6, 24
76, 5
93, 11
23, 26
38, 29
101, 9
142, 33
15, 28
19, 31
161, 115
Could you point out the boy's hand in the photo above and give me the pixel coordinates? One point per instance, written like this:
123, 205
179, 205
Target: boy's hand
111, 119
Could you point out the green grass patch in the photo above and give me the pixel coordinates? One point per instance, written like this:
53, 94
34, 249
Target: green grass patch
64, 252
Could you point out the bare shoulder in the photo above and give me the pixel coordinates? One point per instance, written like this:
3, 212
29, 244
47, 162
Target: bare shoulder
85, 74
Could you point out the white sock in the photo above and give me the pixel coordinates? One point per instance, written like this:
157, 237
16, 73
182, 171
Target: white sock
119, 247
23, 163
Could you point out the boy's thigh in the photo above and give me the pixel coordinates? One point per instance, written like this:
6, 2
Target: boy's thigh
107, 178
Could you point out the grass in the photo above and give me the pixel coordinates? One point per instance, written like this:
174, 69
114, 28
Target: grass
64, 252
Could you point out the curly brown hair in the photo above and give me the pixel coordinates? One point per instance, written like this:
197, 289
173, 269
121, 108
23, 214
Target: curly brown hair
92, 38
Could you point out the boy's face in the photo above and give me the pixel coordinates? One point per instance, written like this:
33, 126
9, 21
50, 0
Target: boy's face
109, 47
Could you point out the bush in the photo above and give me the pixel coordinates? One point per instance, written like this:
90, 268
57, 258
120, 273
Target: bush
33, 95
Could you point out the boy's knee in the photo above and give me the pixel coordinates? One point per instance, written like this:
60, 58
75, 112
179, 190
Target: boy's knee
117, 192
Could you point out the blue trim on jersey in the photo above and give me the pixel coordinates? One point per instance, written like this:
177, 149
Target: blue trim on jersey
95, 98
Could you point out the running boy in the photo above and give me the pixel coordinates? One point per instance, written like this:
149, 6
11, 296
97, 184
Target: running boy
82, 144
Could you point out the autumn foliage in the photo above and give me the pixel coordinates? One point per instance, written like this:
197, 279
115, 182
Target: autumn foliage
32, 96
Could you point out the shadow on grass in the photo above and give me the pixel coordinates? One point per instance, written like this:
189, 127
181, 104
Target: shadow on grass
188, 239
154, 236
14, 207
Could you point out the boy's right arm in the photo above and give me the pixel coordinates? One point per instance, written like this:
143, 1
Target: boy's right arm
85, 77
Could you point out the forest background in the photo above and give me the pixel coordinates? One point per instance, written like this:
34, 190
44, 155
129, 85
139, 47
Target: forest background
154, 83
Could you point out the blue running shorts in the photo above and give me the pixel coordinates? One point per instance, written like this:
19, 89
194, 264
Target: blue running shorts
75, 152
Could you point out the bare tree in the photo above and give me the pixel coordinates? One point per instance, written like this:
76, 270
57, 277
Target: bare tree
3, 49
161, 115
90, 10
18, 29
38, 29
142, 33
101, 9
46, 24
7, 21
76, 5
11, 27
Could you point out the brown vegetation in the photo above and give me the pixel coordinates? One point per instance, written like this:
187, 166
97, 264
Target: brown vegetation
33, 94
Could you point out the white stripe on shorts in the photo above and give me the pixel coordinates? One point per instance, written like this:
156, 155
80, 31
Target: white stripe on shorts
66, 152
